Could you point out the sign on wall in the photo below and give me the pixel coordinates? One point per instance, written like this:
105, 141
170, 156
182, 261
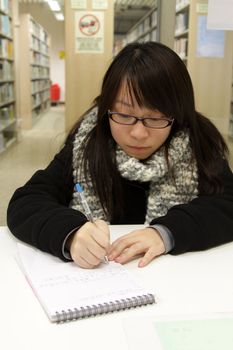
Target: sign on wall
89, 32
99, 4
220, 14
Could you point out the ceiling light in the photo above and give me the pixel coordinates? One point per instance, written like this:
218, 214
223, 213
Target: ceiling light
59, 16
53, 4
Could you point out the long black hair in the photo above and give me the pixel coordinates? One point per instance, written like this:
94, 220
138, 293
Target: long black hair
158, 79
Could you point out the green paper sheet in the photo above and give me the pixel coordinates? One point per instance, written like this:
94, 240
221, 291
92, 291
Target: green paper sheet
212, 334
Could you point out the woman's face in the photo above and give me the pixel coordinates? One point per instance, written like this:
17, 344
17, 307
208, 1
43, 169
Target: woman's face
137, 140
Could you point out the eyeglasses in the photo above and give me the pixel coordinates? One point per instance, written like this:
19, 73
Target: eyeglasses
127, 119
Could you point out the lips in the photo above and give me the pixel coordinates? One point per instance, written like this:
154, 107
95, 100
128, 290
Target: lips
138, 152
138, 148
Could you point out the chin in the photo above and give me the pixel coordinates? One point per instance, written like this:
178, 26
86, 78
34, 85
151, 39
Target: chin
141, 157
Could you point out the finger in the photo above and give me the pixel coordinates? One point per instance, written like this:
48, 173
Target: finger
90, 257
122, 238
83, 245
83, 252
119, 246
90, 237
101, 234
147, 258
128, 238
95, 249
103, 226
83, 263
91, 233
116, 250
130, 253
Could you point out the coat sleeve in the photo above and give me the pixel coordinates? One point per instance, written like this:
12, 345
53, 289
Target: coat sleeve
205, 222
39, 213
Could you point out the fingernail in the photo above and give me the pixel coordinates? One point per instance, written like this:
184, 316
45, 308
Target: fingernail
118, 259
141, 264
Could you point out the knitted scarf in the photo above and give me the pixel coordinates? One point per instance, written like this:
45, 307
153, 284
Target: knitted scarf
167, 188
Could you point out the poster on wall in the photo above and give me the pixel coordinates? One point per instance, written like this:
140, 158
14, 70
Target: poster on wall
210, 43
89, 32
78, 4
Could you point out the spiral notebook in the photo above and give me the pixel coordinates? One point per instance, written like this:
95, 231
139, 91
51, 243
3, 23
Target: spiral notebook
68, 292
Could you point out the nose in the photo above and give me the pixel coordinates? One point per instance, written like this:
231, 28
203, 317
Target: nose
139, 131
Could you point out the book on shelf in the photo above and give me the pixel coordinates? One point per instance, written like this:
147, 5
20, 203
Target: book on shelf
6, 92
5, 25
5, 6
181, 47
154, 17
2, 143
181, 3
6, 70
6, 48
182, 20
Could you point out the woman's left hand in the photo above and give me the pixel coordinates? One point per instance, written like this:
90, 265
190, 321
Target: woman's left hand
146, 241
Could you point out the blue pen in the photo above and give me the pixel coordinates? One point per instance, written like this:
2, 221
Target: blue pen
83, 200
86, 208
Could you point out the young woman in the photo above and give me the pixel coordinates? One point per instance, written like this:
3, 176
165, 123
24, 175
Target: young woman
142, 154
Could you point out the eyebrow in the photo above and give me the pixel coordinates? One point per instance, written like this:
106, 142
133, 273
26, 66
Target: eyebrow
129, 104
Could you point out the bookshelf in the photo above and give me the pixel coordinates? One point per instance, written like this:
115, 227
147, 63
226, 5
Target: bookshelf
231, 112
212, 86
34, 71
182, 29
146, 29
8, 124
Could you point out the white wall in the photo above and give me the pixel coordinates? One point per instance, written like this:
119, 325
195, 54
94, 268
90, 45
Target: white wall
43, 15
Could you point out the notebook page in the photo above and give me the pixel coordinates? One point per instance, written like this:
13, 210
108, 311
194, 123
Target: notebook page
63, 286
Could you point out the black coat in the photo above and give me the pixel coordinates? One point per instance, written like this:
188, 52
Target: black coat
38, 212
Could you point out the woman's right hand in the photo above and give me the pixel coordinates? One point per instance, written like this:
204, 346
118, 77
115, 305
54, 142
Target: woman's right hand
90, 244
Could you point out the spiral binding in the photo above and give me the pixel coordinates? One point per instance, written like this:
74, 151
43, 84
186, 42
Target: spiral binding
93, 310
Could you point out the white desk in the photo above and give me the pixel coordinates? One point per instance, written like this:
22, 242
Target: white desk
192, 283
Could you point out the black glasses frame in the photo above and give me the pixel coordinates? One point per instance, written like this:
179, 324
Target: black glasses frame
140, 119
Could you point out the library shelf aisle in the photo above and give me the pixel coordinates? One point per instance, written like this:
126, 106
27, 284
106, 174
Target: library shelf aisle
34, 71
8, 124
206, 68
146, 29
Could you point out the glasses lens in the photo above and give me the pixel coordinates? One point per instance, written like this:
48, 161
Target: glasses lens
123, 118
126, 119
156, 123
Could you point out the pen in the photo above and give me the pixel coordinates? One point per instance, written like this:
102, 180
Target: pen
86, 208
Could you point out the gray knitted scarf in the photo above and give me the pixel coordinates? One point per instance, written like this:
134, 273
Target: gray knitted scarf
166, 189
